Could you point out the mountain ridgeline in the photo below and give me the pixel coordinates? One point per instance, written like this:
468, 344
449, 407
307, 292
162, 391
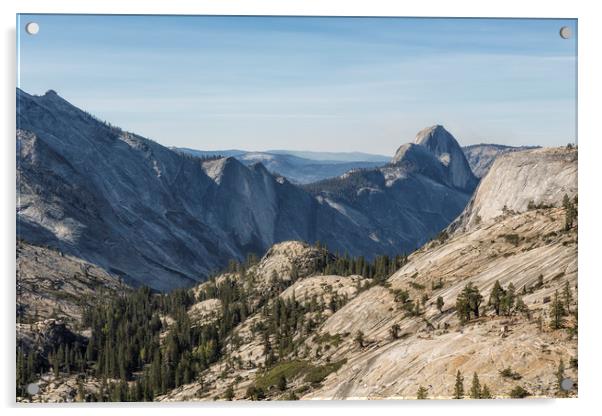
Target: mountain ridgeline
161, 218
296, 169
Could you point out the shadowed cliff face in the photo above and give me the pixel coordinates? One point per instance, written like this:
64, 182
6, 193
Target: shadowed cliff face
164, 219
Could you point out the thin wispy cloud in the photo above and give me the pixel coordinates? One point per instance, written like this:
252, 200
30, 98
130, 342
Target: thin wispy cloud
310, 83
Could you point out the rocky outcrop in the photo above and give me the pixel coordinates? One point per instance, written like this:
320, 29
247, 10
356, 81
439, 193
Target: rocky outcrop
518, 181
52, 284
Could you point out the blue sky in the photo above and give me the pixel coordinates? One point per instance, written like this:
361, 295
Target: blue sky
324, 84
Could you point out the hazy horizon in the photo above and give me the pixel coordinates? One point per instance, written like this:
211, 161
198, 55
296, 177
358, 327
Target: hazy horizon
308, 83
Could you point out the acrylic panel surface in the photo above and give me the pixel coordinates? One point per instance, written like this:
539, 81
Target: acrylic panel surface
284, 208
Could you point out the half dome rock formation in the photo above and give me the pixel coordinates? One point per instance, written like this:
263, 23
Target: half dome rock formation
444, 146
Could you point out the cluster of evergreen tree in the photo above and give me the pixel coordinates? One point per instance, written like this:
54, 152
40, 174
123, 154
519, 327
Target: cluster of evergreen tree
67, 356
134, 356
506, 301
560, 308
125, 343
29, 367
346, 187
379, 269
503, 301
208, 157
476, 390
412, 307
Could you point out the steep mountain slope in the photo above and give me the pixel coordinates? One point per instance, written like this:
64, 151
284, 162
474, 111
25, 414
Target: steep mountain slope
481, 156
147, 213
517, 180
436, 345
157, 217
295, 169
111, 198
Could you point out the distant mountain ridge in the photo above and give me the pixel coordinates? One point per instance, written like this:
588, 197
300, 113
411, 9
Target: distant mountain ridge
481, 156
296, 169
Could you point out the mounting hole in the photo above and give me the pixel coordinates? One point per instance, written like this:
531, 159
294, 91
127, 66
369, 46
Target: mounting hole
566, 384
33, 388
32, 28
565, 32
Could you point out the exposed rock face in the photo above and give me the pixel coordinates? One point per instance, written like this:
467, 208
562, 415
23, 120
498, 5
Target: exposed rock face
64, 389
433, 347
53, 284
160, 218
283, 257
482, 253
324, 287
540, 176
481, 156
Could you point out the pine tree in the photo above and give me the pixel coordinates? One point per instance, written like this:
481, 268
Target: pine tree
459, 386
22, 377
294, 273
440, 304
485, 393
521, 307
394, 331
570, 212
422, 393
508, 300
567, 296
359, 338
229, 394
282, 383
560, 378
496, 296
557, 313
475, 388
468, 303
